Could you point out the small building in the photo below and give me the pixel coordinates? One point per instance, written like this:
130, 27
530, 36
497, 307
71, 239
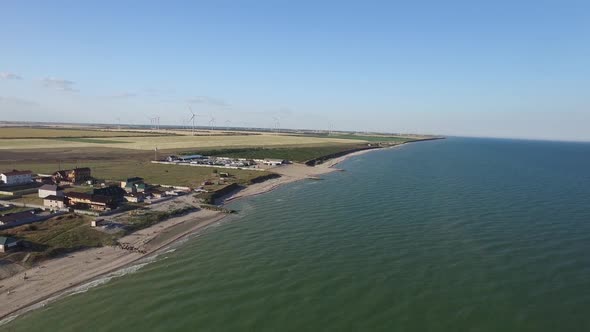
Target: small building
96, 222
18, 218
135, 187
8, 243
115, 192
130, 181
54, 202
44, 179
274, 162
76, 175
173, 192
50, 190
15, 177
94, 202
154, 193
134, 197
189, 158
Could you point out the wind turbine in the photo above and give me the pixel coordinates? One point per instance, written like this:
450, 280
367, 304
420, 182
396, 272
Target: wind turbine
192, 118
151, 122
157, 122
211, 122
227, 123
277, 124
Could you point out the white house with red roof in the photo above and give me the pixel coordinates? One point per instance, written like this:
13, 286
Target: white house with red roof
15, 177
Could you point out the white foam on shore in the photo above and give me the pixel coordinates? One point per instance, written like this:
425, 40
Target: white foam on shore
101, 281
8, 319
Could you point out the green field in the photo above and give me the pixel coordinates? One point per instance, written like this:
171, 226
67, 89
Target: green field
296, 154
90, 140
26, 132
59, 235
176, 142
118, 170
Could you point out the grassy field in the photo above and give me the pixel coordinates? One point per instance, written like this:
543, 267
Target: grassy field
60, 235
296, 154
15, 209
89, 140
149, 218
174, 142
29, 199
153, 173
25, 132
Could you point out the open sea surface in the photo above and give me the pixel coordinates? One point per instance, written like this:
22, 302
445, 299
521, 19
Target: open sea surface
450, 235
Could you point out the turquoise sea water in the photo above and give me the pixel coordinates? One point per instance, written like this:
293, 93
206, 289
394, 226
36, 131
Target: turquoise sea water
451, 235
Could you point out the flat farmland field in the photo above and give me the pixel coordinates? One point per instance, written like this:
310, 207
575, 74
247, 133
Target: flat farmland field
25, 132
174, 142
118, 170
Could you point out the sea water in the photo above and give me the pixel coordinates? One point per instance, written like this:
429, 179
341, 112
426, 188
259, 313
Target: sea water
451, 235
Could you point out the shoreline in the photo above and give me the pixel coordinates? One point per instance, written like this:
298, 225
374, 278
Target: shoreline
57, 277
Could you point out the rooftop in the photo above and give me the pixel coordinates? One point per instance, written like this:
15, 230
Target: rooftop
134, 179
50, 187
7, 240
15, 172
12, 217
54, 198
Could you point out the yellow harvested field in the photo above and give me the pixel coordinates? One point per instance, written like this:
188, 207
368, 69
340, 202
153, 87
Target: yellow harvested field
175, 142
25, 132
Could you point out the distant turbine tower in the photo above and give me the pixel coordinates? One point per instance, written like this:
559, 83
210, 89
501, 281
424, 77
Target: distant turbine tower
211, 122
277, 124
192, 118
227, 123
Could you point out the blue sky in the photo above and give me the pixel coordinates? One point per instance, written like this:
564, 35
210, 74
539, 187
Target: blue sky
501, 69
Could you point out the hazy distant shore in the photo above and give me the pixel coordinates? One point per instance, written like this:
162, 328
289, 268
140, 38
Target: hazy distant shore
51, 279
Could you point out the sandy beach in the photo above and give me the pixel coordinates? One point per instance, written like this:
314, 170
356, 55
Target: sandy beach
48, 280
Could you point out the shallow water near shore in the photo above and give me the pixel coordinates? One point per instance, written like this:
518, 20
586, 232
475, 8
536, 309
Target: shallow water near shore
450, 235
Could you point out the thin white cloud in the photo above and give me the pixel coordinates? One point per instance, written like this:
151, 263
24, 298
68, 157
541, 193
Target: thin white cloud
123, 95
16, 101
59, 84
208, 101
9, 76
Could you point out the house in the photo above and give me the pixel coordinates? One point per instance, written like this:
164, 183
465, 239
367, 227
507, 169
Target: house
15, 177
115, 192
18, 218
96, 222
44, 179
135, 187
274, 162
76, 175
154, 193
54, 202
134, 197
50, 190
173, 192
132, 180
7, 243
94, 202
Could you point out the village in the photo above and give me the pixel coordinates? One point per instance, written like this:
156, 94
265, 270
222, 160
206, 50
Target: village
222, 162
28, 198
